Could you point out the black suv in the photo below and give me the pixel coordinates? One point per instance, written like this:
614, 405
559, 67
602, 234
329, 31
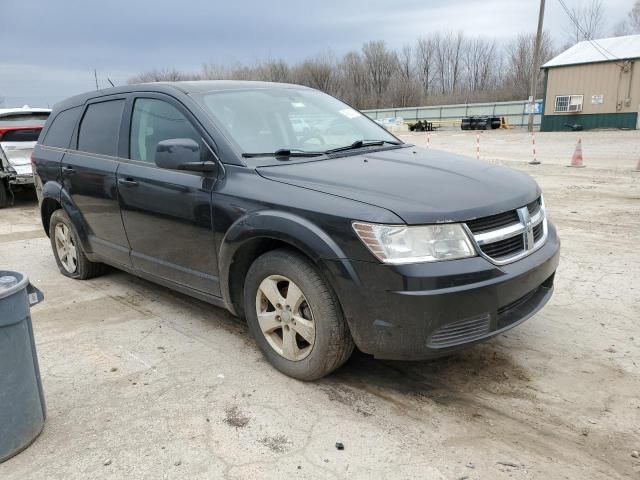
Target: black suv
295, 211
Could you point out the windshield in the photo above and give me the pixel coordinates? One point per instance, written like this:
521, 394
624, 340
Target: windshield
268, 120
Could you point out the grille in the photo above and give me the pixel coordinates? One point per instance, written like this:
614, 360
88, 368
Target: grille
493, 222
537, 232
514, 311
516, 303
534, 207
478, 327
510, 235
504, 248
459, 332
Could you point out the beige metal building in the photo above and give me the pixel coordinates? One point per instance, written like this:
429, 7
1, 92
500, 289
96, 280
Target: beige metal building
595, 84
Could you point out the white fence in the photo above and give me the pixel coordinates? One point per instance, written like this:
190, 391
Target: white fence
513, 112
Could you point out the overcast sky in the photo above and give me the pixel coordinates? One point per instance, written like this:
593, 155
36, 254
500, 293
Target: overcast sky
50, 47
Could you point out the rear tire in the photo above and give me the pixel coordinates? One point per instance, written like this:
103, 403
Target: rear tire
313, 325
4, 194
71, 259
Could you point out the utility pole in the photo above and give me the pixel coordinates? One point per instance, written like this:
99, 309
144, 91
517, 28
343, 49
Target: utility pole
536, 61
95, 75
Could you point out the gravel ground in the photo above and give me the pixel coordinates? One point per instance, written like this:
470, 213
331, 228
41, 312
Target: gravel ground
142, 382
613, 150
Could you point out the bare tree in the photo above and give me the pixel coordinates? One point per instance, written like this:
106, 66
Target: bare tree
404, 89
405, 63
319, 72
161, 75
425, 63
520, 63
214, 71
587, 21
631, 25
634, 17
621, 29
381, 64
438, 69
448, 57
480, 60
355, 87
273, 71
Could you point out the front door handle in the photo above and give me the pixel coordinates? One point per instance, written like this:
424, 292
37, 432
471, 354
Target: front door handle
68, 170
127, 182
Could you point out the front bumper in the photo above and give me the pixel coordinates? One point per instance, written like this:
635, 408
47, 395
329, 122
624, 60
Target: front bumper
420, 311
23, 174
20, 175
21, 180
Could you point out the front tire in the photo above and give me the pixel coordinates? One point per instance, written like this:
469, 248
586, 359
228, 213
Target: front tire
67, 250
295, 317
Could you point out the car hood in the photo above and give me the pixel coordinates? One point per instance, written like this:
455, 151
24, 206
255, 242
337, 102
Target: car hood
420, 186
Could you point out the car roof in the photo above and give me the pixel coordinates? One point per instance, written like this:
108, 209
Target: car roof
185, 87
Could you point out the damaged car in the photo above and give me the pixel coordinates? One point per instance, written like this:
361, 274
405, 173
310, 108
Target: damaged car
324, 239
19, 131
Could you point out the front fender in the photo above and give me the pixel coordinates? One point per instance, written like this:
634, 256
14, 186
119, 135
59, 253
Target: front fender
289, 228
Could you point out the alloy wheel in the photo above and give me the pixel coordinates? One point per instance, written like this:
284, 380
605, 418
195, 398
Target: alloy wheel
66, 248
285, 317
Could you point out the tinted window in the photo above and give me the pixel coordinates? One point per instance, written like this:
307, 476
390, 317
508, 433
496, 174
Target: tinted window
154, 121
26, 135
100, 128
59, 133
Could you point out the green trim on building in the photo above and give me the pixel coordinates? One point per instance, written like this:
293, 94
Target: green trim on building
556, 123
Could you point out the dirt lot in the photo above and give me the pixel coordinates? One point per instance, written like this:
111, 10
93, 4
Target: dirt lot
145, 383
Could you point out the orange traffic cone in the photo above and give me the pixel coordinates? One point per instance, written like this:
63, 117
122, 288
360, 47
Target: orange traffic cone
576, 160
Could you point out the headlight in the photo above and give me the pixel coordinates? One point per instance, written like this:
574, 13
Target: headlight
399, 244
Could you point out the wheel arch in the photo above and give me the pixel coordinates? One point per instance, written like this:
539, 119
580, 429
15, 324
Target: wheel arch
259, 232
49, 203
54, 197
47, 207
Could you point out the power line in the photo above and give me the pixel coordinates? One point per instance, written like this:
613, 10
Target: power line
599, 48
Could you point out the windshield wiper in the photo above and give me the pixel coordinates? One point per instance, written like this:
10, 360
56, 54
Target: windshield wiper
284, 153
363, 143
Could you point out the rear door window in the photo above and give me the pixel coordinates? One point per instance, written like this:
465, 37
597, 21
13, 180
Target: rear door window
60, 131
100, 128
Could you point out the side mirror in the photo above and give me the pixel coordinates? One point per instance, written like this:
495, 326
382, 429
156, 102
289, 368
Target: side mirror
173, 153
182, 154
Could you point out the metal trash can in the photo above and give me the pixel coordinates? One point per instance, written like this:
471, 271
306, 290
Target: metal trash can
22, 407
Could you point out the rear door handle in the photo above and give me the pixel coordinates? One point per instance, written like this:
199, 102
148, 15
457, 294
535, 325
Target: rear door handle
68, 170
127, 182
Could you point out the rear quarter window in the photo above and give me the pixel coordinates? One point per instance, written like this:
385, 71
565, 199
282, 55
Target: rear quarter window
59, 132
100, 128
